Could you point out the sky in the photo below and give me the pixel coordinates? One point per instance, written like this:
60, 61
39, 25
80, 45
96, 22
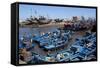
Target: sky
25, 11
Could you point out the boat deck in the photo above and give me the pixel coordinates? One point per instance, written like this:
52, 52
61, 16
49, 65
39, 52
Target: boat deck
40, 51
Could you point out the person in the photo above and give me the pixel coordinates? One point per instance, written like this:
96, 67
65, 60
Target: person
58, 56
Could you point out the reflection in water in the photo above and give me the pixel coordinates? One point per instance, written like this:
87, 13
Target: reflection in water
36, 31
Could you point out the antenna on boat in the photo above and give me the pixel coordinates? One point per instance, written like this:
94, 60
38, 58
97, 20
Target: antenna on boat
35, 12
47, 16
31, 13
